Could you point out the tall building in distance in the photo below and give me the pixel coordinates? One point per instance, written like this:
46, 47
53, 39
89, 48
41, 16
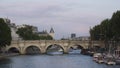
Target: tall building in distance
73, 35
81, 38
51, 33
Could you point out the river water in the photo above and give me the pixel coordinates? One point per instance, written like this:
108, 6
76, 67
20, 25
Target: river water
52, 61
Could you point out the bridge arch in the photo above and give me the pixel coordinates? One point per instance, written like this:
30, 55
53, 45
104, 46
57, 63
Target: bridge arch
32, 49
56, 46
13, 50
79, 46
74, 47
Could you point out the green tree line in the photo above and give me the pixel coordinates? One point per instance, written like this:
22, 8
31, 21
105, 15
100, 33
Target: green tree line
5, 33
26, 33
108, 29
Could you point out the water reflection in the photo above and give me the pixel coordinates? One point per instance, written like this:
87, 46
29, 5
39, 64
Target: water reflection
55, 53
78, 51
5, 63
48, 61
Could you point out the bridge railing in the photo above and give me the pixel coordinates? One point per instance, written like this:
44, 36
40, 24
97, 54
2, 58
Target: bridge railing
53, 41
57, 41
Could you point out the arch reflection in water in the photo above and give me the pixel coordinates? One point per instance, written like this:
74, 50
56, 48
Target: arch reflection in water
32, 50
54, 49
75, 49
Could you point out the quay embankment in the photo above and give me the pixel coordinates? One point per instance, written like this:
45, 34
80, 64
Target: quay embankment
8, 55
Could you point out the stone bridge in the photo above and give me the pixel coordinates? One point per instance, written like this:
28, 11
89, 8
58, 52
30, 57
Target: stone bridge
21, 46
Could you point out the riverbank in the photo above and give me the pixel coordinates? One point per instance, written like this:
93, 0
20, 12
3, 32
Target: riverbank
8, 55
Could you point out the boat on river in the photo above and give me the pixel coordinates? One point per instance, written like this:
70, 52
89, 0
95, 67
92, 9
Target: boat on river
100, 59
109, 60
95, 56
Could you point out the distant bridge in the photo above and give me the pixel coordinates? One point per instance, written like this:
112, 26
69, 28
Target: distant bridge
43, 45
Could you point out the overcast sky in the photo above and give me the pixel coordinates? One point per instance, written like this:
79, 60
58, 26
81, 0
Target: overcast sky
65, 16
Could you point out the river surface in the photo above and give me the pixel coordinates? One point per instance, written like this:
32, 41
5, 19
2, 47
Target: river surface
52, 61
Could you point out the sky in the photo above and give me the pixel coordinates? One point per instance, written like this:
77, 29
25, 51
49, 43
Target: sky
65, 16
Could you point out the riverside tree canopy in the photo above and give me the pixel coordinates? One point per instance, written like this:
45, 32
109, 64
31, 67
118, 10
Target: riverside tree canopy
108, 29
26, 33
5, 33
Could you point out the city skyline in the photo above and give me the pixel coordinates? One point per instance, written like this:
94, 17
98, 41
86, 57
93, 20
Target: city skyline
64, 16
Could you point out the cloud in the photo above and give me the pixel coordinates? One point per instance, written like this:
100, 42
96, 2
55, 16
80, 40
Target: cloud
65, 16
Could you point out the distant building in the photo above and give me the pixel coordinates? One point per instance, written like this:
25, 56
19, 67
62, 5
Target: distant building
45, 33
51, 33
83, 38
73, 35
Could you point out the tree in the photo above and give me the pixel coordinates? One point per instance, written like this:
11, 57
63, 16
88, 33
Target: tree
115, 25
5, 33
106, 29
26, 33
48, 37
110, 29
95, 32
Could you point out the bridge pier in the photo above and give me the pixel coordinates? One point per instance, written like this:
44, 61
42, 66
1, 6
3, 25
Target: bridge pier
22, 52
66, 51
43, 51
